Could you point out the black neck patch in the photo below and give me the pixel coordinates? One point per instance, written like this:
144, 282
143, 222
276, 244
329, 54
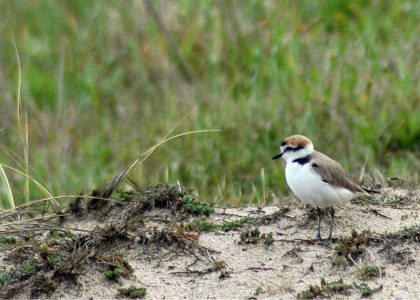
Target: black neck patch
302, 161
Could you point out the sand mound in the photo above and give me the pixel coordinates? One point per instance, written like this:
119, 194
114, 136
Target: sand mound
165, 243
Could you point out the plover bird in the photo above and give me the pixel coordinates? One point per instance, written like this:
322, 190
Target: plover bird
315, 178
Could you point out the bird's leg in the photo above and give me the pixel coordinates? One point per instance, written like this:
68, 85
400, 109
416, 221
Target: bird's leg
331, 224
318, 237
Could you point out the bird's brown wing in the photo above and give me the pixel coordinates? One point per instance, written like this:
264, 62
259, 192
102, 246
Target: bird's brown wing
331, 172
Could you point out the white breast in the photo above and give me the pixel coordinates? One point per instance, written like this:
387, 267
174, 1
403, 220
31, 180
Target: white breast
308, 186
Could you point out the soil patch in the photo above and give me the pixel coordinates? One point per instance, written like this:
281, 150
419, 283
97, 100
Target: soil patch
164, 243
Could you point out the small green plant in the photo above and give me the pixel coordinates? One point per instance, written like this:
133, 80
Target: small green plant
114, 274
329, 289
374, 200
25, 270
51, 257
340, 261
259, 290
326, 290
53, 231
133, 292
269, 239
4, 277
7, 240
69, 234
253, 236
130, 194
117, 266
201, 224
43, 248
231, 225
370, 272
192, 205
53, 260
352, 246
410, 234
366, 291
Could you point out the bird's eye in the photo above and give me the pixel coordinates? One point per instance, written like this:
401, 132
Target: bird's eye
294, 149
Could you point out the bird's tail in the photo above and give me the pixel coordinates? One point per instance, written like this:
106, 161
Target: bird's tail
371, 192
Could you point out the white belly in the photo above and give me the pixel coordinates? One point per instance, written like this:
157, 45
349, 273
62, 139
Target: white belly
308, 186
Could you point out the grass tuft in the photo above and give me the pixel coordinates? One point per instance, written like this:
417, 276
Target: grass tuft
409, 234
349, 248
371, 272
194, 206
133, 292
326, 290
253, 236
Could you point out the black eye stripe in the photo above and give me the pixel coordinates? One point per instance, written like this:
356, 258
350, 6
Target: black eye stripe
283, 144
293, 149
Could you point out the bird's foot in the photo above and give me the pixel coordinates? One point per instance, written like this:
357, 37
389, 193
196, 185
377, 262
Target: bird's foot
324, 242
318, 238
321, 241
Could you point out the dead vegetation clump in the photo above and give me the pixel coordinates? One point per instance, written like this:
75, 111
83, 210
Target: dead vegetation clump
142, 220
349, 248
398, 246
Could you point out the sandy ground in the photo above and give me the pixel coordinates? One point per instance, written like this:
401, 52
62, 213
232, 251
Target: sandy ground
259, 271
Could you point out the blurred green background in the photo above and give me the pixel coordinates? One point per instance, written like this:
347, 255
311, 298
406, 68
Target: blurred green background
102, 81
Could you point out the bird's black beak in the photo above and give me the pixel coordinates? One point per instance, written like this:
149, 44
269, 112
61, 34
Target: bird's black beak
277, 156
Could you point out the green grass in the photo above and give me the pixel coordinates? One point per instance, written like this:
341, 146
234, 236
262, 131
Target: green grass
194, 206
204, 224
326, 290
235, 224
370, 272
201, 224
253, 236
101, 83
349, 248
409, 234
330, 289
133, 292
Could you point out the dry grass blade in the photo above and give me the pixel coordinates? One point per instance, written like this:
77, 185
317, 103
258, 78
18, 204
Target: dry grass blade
25, 139
33, 202
125, 172
10, 213
110, 188
27, 221
133, 185
8, 189
16, 158
26, 153
19, 110
19, 106
52, 200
